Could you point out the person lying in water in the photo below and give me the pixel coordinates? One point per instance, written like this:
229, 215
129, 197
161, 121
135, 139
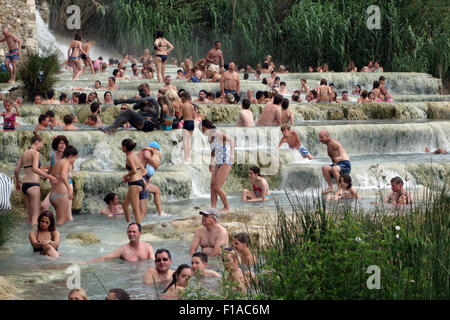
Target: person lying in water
135, 250
437, 151
113, 208
45, 239
260, 187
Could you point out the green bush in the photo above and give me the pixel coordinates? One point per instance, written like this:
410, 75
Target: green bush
4, 77
7, 222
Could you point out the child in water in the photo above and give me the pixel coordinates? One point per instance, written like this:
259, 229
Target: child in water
348, 191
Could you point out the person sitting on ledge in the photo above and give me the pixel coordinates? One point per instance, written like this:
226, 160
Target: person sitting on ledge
260, 187
46, 238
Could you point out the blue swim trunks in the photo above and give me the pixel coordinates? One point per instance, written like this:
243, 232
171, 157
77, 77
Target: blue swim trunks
230, 91
195, 79
144, 193
303, 151
345, 165
13, 54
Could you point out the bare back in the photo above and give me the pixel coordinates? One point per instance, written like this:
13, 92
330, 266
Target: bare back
336, 151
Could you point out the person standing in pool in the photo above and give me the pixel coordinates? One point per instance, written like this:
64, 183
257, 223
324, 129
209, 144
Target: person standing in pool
86, 56
31, 187
162, 49
136, 183
215, 57
340, 161
230, 83
260, 187
73, 54
222, 156
62, 193
13, 54
45, 239
188, 114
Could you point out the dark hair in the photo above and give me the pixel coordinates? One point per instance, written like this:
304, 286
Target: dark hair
236, 98
265, 65
203, 256
208, 124
115, 71
57, 140
75, 94
50, 113
282, 83
266, 94
246, 103
264, 81
104, 96
277, 99
295, 98
112, 78
218, 94
185, 95
246, 76
276, 78
120, 294
51, 217
381, 78
109, 197
345, 91
364, 94
129, 144
242, 237
70, 151
376, 84
93, 117
259, 95
176, 274
159, 34
179, 70
111, 61
82, 98
255, 170
35, 138
397, 180
68, 118
314, 93
285, 103
347, 179
62, 96
95, 106
42, 117
77, 36
331, 84
138, 225
50, 94
203, 90
323, 81
162, 251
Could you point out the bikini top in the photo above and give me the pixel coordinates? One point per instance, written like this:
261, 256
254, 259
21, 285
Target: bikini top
30, 166
129, 168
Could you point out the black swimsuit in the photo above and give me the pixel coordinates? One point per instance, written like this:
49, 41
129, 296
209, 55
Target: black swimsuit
139, 182
28, 185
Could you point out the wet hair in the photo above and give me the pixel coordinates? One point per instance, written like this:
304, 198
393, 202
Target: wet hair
94, 106
210, 95
50, 94
282, 83
104, 96
246, 103
68, 118
266, 94
179, 70
111, 61
176, 274
208, 124
62, 96
50, 113
50, 216
218, 94
93, 117
70, 151
265, 65
203, 256
42, 118
334, 95
202, 90
397, 180
376, 84
242, 237
347, 179
134, 223
277, 99
259, 95
264, 81
159, 251
246, 76
56, 140
295, 97
77, 36
40, 95
314, 93
115, 72
359, 86
255, 170
36, 138
81, 291
120, 294
381, 79
323, 81
129, 144
109, 197
82, 99
159, 34
276, 78
345, 91
285, 103
331, 84
185, 95
364, 94
285, 127
75, 94
236, 98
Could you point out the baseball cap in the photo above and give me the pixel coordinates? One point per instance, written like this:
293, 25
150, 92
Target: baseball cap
154, 144
210, 211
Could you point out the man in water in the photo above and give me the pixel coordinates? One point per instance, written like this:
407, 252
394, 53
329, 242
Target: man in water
198, 262
271, 115
215, 56
230, 83
147, 117
135, 250
167, 86
117, 294
398, 196
324, 91
161, 272
39, 99
437, 151
293, 140
241, 242
13, 54
341, 162
202, 97
188, 114
211, 236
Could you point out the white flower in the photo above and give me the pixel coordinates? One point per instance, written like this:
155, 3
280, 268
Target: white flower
358, 239
412, 280
397, 228
397, 236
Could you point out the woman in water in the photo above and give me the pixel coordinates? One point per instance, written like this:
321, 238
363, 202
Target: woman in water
77, 294
347, 190
9, 116
176, 104
363, 97
357, 90
73, 54
234, 274
59, 144
260, 187
162, 48
61, 193
114, 208
180, 279
167, 114
31, 187
136, 183
222, 155
108, 97
45, 239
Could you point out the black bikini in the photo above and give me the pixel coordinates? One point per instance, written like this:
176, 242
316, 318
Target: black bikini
28, 185
139, 183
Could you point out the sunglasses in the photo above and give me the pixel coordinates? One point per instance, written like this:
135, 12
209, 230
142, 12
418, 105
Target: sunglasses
162, 259
123, 109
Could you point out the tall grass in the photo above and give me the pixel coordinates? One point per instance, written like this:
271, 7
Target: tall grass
296, 33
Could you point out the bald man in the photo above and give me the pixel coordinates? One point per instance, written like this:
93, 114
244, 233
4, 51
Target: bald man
13, 54
230, 83
340, 161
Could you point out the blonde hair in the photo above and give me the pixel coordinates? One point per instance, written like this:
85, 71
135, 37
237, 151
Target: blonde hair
172, 95
80, 291
234, 255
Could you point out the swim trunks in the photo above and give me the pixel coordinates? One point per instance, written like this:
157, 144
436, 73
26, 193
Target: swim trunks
13, 54
139, 183
189, 125
195, 79
345, 165
162, 56
144, 193
230, 91
303, 151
